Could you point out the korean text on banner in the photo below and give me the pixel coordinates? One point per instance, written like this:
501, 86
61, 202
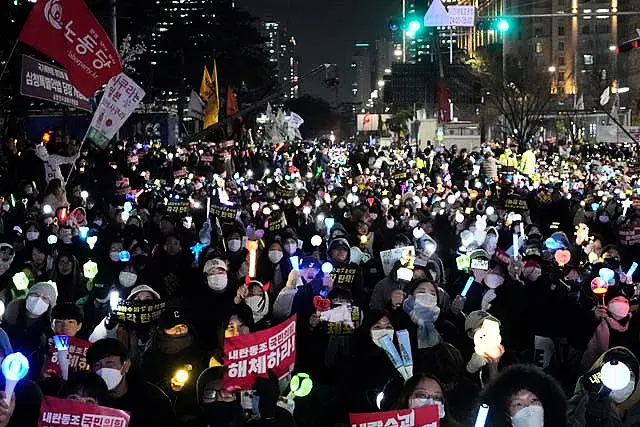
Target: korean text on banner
388, 258
248, 357
77, 357
67, 32
56, 412
418, 417
44, 81
120, 99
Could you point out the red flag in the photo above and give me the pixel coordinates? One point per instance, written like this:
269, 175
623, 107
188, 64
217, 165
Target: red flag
232, 103
67, 31
366, 119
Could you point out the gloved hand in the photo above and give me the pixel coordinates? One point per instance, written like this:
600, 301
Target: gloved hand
268, 390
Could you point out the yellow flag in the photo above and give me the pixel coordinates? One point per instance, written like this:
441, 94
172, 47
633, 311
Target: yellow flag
213, 101
205, 86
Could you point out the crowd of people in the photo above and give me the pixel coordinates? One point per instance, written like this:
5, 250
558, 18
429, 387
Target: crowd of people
510, 267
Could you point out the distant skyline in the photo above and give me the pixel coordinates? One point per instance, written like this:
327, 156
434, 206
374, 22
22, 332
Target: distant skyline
326, 31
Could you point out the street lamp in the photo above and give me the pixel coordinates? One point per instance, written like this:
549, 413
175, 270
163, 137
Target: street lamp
503, 25
552, 69
380, 83
613, 48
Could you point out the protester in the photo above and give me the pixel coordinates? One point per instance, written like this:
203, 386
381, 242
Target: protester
148, 404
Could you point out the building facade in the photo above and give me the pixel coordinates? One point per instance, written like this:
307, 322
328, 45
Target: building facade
281, 47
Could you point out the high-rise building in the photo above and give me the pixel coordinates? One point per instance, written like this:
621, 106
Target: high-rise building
281, 48
361, 72
629, 62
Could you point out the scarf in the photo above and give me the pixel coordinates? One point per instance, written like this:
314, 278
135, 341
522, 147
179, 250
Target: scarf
169, 344
599, 342
424, 318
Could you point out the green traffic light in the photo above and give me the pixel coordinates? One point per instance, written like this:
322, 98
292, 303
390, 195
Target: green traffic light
503, 25
414, 26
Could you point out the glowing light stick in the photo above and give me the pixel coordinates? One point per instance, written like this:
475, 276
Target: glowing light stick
516, 246
196, 249
125, 256
329, 223
252, 246
615, 375
84, 232
483, 412
91, 241
599, 286
114, 298
632, 269
295, 262
300, 385
21, 281
327, 267
467, 286
90, 270
62, 348
405, 352
14, 368
626, 204
316, 241
607, 274
47, 209
208, 207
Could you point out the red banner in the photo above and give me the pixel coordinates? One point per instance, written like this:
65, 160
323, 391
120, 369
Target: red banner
419, 417
67, 31
56, 412
77, 357
248, 357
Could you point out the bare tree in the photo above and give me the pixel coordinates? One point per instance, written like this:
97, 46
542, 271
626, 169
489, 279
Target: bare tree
522, 98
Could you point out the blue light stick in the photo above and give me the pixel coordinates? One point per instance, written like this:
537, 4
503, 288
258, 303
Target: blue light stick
125, 256
467, 286
329, 222
196, 249
295, 262
607, 274
483, 412
84, 232
14, 368
327, 267
61, 341
632, 269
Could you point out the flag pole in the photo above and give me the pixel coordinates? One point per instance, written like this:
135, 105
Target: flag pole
73, 166
6, 65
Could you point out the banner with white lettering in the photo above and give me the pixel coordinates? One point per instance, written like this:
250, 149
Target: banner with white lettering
56, 412
248, 357
120, 99
419, 417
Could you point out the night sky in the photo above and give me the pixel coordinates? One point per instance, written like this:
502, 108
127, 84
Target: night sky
326, 31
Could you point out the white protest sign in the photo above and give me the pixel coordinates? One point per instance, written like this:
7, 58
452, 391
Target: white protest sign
120, 99
544, 351
462, 16
388, 258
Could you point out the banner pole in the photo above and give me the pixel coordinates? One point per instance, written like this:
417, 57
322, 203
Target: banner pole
6, 65
73, 166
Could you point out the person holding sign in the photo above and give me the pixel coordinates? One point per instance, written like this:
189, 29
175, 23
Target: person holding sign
148, 405
425, 390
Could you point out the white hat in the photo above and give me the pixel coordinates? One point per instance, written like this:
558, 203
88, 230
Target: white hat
143, 288
213, 264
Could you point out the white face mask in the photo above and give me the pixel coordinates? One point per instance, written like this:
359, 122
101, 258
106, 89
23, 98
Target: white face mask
275, 256
377, 334
391, 224
217, 282
619, 309
426, 299
36, 305
291, 248
97, 222
112, 377
413, 223
234, 245
531, 416
258, 305
32, 235
127, 279
493, 280
623, 394
422, 402
114, 256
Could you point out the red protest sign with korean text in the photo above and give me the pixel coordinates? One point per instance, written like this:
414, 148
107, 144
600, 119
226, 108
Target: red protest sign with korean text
56, 412
248, 357
418, 417
77, 357
67, 32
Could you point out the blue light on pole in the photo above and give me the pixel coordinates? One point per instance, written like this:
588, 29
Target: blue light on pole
503, 25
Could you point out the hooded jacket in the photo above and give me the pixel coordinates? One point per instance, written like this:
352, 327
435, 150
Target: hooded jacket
591, 406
